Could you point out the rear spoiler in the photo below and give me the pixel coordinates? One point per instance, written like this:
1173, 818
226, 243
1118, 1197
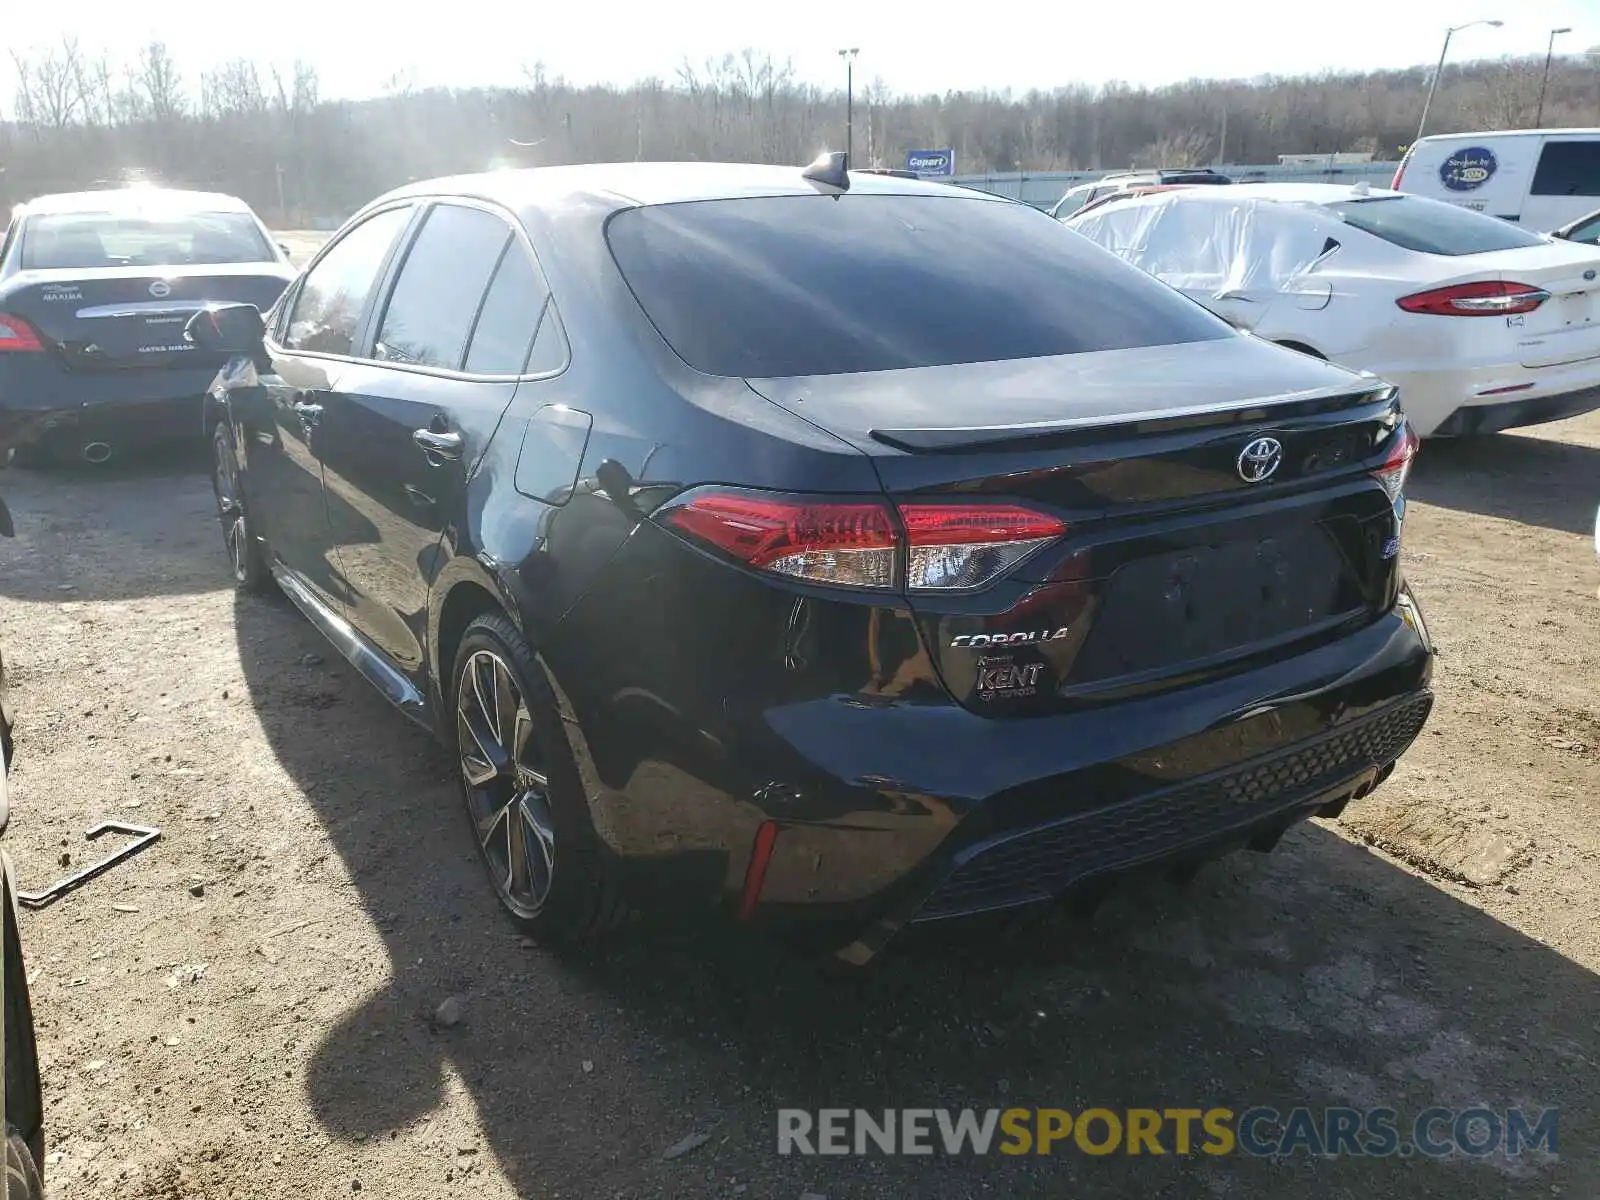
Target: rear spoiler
1032, 435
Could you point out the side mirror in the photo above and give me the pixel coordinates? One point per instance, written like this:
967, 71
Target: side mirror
230, 329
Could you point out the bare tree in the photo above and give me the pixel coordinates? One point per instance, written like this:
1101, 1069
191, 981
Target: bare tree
1188, 148
265, 132
233, 89
1507, 97
159, 84
299, 94
25, 97
50, 86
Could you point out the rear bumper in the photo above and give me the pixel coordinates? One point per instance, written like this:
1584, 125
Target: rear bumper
974, 815
42, 404
1262, 795
1472, 400
1514, 414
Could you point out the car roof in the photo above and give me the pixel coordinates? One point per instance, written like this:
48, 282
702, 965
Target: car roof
628, 185
1310, 194
1133, 193
133, 199
1510, 133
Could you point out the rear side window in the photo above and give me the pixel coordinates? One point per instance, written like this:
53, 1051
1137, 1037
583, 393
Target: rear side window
334, 294
1433, 227
441, 287
510, 317
1568, 169
816, 285
91, 241
1588, 232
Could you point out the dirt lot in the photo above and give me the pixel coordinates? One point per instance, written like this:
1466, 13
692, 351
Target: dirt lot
268, 1037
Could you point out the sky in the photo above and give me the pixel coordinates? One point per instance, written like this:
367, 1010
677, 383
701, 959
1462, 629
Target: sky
934, 45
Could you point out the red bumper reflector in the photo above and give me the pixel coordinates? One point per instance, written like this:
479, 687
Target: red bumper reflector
756, 873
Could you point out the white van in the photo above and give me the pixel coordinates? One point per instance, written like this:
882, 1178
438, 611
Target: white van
1541, 178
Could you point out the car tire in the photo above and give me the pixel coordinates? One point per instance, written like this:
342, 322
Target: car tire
245, 557
22, 1173
522, 792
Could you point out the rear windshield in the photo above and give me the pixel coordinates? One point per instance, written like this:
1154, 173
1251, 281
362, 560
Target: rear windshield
52, 241
820, 285
1432, 227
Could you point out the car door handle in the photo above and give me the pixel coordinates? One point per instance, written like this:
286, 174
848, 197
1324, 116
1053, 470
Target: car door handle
439, 447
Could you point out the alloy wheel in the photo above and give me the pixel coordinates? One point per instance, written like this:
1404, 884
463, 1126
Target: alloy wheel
230, 509
507, 787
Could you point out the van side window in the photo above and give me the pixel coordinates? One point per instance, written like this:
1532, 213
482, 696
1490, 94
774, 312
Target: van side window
1568, 169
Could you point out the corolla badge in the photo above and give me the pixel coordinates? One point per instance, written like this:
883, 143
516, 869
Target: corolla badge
974, 641
1259, 460
161, 289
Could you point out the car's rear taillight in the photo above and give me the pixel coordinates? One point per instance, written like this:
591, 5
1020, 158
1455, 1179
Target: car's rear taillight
864, 543
953, 547
17, 336
852, 544
1487, 298
1397, 465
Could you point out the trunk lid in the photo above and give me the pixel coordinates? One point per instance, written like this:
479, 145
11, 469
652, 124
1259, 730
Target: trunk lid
1566, 327
1174, 566
120, 318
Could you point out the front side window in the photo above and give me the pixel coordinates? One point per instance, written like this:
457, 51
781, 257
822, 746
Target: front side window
441, 287
1433, 227
94, 241
816, 285
332, 297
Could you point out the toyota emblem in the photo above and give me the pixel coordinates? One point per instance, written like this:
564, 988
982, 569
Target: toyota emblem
161, 289
1259, 459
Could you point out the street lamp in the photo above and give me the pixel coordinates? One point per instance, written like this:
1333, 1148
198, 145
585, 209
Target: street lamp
849, 57
1428, 103
1538, 121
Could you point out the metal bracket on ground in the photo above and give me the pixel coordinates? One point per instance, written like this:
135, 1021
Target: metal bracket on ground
144, 835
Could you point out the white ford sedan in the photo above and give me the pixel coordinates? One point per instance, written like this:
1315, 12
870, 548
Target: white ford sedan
1483, 325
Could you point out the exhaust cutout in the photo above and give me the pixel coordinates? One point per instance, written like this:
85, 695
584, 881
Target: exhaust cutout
96, 452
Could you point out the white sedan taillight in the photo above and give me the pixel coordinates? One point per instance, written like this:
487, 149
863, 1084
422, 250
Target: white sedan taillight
1486, 298
860, 543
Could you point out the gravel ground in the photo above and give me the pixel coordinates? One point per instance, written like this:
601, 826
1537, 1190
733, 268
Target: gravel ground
243, 1009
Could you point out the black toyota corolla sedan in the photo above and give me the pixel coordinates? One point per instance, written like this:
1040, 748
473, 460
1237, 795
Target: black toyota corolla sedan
846, 550
95, 289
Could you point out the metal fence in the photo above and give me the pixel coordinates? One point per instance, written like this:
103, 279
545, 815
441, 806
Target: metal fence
1043, 188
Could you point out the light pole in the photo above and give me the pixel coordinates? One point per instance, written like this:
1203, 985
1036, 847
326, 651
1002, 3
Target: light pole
1544, 86
1428, 103
849, 57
